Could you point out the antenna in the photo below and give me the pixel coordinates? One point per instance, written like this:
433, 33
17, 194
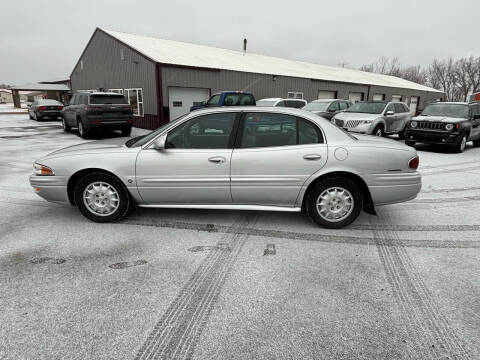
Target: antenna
244, 46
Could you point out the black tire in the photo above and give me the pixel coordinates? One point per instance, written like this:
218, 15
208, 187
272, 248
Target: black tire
338, 182
66, 128
81, 129
37, 118
379, 131
460, 144
401, 135
410, 143
476, 143
30, 116
122, 194
126, 131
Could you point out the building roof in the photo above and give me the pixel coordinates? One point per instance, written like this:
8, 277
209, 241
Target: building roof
187, 54
41, 87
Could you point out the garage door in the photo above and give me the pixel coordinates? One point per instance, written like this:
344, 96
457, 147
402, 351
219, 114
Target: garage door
413, 105
378, 97
181, 99
355, 97
323, 94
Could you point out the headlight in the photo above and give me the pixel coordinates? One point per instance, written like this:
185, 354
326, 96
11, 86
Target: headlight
366, 121
42, 170
413, 124
449, 127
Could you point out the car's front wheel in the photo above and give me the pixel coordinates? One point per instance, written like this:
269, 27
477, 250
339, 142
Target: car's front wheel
379, 131
459, 147
102, 197
126, 131
334, 203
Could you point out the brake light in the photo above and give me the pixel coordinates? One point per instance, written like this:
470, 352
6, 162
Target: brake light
60, 107
42, 108
413, 164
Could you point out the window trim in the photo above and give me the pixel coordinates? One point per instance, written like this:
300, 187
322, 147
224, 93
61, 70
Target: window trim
238, 139
127, 90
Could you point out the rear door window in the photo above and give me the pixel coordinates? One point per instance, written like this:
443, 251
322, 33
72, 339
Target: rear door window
271, 129
239, 100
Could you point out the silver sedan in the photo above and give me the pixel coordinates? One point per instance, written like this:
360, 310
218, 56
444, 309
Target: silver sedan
248, 158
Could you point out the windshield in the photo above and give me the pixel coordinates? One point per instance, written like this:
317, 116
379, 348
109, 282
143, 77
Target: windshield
142, 140
449, 110
367, 107
266, 102
316, 106
108, 99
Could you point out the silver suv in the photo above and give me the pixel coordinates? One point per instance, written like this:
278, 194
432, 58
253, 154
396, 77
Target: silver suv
378, 118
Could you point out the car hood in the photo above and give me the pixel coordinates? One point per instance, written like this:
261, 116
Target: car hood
356, 116
442, 119
109, 145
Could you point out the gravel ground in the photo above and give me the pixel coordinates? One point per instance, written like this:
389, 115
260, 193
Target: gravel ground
239, 285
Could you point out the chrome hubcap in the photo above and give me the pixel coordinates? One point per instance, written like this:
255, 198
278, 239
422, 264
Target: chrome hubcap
101, 198
379, 132
335, 204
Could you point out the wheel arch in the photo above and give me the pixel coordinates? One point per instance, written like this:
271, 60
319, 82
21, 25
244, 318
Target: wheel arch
368, 206
75, 178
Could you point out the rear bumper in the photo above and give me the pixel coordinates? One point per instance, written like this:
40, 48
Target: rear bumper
432, 137
118, 123
51, 188
394, 188
50, 113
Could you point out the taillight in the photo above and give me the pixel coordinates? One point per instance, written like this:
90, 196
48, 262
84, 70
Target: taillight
60, 107
413, 164
42, 108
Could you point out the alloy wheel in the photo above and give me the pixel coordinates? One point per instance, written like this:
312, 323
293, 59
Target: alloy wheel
335, 204
101, 198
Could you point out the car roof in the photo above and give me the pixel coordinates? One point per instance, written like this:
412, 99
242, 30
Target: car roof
326, 100
99, 93
48, 100
281, 99
450, 102
232, 92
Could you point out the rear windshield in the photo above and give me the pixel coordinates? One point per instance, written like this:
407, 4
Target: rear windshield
108, 99
449, 110
317, 106
367, 107
239, 99
49, 102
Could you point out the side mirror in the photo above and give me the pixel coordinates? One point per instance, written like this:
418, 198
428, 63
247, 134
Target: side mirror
389, 113
159, 144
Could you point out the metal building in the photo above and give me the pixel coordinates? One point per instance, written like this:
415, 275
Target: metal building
163, 78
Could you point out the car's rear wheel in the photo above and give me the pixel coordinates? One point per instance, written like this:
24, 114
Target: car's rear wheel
476, 143
410, 143
126, 131
36, 117
334, 203
459, 147
102, 198
81, 130
379, 131
65, 127
401, 135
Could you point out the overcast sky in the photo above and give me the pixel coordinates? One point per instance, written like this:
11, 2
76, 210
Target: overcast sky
42, 40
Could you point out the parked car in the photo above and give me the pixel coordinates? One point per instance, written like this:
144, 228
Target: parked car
243, 158
227, 98
45, 108
328, 108
378, 118
446, 123
293, 103
89, 111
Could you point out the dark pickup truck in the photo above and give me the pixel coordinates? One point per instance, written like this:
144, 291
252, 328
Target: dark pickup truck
227, 98
89, 111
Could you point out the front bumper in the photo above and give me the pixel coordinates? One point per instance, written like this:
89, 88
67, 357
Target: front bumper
391, 188
432, 136
51, 188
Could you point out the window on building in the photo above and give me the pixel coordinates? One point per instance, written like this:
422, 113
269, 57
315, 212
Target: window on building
135, 98
295, 95
118, 91
397, 98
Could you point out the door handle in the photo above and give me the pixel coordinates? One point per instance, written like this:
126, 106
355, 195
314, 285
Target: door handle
217, 160
312, 157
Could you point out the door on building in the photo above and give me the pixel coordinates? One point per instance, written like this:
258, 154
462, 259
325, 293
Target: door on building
355, 97
324, 94
181, 99
413, 105
378, 97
